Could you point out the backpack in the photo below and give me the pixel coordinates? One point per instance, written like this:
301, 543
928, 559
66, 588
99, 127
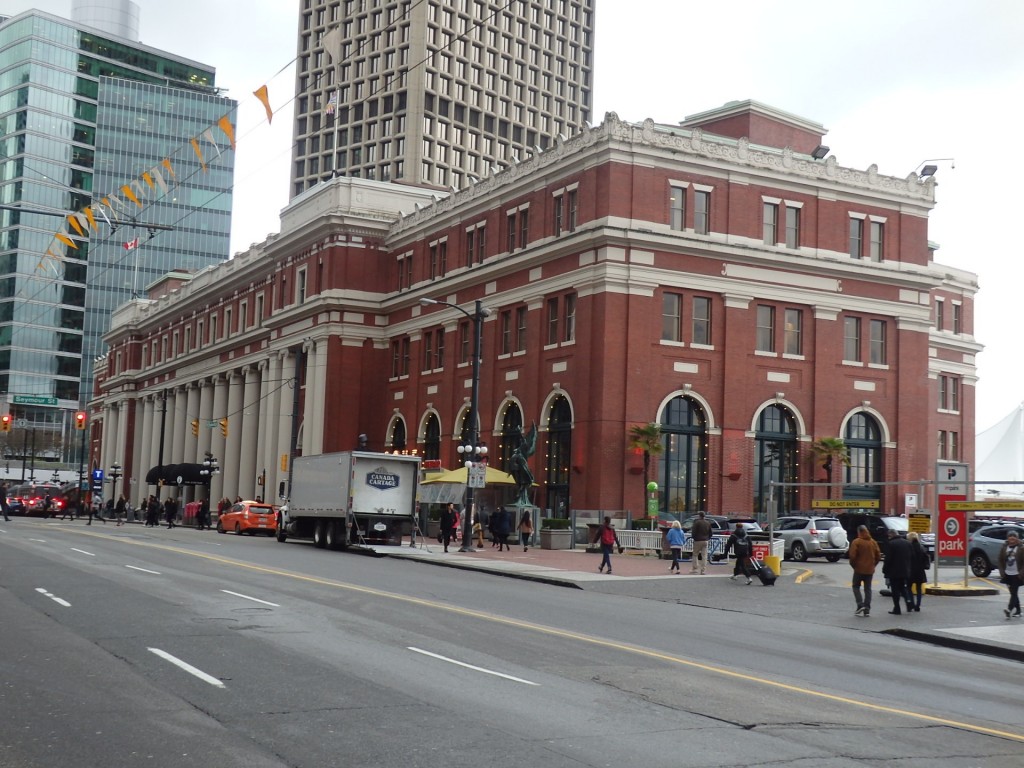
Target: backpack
607, 535
742, 547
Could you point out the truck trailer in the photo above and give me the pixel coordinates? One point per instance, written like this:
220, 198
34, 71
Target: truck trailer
350, 498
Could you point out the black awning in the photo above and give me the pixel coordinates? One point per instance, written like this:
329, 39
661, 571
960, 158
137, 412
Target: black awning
176, 474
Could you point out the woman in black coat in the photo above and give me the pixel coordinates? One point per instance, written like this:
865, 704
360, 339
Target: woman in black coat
448, 518
919, 562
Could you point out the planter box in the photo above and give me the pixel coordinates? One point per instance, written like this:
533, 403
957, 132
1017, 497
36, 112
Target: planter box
555, 538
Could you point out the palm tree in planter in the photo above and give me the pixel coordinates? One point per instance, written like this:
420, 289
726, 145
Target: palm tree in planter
829, 449
646, 439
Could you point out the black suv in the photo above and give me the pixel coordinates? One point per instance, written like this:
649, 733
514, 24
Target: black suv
879, 527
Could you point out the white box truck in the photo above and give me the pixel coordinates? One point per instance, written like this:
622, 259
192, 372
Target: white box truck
350, 498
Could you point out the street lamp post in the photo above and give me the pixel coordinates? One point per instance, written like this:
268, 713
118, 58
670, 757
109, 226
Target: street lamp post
476, 451
115, 475
210, 468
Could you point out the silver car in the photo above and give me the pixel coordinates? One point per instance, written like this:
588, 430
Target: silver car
805, 537
983, 547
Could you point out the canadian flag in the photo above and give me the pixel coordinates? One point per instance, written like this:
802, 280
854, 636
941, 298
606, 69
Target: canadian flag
131, 245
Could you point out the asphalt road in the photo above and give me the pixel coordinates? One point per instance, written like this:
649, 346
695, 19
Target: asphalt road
132, 646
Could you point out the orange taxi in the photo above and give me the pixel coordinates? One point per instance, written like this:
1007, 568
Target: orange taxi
250, 517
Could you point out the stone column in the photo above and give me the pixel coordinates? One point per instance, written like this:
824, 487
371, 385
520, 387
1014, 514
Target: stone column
205, 416
315, 423
191, 447
108, 435
144, 449
277, 389
249, 434
178, 427
232, 451
285, 417
219, 411
261, 431
309, 399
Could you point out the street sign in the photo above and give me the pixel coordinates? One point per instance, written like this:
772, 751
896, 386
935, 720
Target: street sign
919, 522
952, 479
985, 506
844, 503
34, 400
910, 501
477, 475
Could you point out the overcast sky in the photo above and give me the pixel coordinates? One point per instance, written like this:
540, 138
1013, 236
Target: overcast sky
895, 84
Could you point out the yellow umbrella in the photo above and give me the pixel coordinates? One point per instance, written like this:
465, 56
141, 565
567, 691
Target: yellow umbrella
494, 477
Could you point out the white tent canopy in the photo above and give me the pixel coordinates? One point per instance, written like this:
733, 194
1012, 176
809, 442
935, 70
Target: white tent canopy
999, 452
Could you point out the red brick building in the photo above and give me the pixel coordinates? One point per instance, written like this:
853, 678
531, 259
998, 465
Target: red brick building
715, 277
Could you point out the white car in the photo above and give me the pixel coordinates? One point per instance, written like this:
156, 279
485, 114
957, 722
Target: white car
811, 536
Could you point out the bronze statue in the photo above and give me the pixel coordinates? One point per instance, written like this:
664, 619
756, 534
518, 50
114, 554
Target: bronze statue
518, 467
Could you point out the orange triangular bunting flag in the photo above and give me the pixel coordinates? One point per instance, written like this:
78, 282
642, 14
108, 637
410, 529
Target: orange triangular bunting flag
263, 95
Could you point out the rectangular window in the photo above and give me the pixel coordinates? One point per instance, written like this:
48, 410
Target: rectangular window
941, 452
200, 339
524, 227
877, 350
520, 329
953, 452
439, 349
258, 320
243, 315
877, 236
511, 232
433, 261
552, 321
442, 258
469, 247
227, 322
792, 338
464, 342
770, 224
765, 341
671, 317
954, 394
481, 242
406, 346
792, 226
428, 350
856, 237
569, 314
396, 358
300, 286
558, 214
851, 339
701, 321
701, 212
506, 333
570, 210
940, 315
677, 207
957, 318
943, 390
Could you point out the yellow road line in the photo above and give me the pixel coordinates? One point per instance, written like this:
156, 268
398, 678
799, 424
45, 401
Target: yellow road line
570, 635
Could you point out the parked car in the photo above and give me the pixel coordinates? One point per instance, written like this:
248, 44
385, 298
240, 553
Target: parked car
879, 527
32, 496
250, 517
721, 525
983, 546
809, 536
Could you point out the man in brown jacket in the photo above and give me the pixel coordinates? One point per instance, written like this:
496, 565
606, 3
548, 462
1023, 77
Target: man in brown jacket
701, 535
864, 555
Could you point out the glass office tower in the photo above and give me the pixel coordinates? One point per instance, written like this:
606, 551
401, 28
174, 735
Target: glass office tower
83, 112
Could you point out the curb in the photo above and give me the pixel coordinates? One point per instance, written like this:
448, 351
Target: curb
972, 646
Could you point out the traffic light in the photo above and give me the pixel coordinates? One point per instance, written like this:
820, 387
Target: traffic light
224, 426
79, 420
5, 423
195, 427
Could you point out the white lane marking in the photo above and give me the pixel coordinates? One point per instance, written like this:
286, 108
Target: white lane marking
90, 554
144, 570
246, 597
187, 667
59, 601
470, 666
41, 541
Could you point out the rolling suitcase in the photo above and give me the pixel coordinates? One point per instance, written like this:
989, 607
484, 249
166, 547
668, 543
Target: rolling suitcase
764, 573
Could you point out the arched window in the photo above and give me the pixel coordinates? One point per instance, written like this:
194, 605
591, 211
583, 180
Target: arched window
775, 460
511, 424
397, 437
559, 455
432, 438
863, 440
682, 467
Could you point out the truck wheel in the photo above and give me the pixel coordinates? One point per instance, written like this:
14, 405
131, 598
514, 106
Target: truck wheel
320, 534
332, 535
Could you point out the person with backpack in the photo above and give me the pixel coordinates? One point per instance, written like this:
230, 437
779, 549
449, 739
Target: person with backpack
608, 539
739, 543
